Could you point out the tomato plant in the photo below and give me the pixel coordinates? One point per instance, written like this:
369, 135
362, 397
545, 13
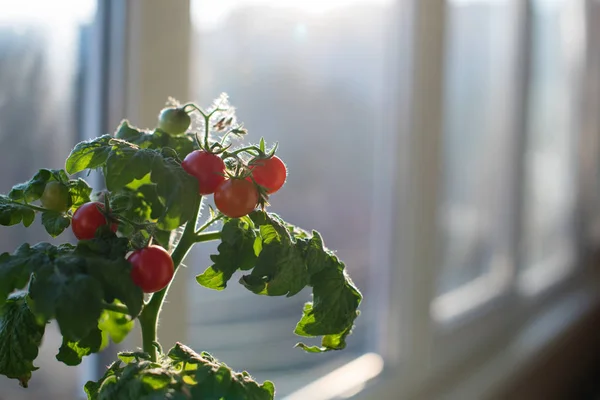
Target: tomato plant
97, 288
207, 168
269, 172
152, 268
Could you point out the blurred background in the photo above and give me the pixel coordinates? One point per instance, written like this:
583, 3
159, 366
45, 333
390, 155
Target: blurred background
447, 150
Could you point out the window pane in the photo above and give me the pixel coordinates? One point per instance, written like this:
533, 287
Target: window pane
309, 75
41, 51
550, 162
479, 72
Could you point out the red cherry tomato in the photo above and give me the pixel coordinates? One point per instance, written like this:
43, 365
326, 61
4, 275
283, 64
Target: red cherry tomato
87, 219
236, 197
207, 168
152, 268
269, 172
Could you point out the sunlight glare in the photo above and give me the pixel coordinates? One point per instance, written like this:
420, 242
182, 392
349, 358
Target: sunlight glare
45, 12
207, 14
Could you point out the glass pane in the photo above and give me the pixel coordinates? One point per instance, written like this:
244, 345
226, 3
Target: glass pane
42, 46
309, 74
479, 74
550, 163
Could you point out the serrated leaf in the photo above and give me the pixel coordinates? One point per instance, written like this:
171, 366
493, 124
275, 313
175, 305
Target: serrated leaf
178, 191
73, 299
80, 192
181, 374
125, 164
16, 269
72, 353
20, 337
12, 213
89, 155
104, 258
285, 260
236, 251
55, 222
33, 189
333, 311
183, 145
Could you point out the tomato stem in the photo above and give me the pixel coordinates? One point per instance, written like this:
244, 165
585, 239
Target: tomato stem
31, 206
149, 316
207, 236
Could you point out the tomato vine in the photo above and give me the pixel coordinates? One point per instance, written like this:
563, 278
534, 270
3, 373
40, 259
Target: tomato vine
132, 237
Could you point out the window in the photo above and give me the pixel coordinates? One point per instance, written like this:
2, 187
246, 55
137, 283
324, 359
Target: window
551, 147
477, 150
481, 179
43, 49
311, 76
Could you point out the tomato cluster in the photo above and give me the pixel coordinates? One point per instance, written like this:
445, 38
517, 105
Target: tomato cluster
152, 266
235, 196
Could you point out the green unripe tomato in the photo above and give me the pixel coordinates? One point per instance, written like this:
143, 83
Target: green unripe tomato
174, 121
55, 197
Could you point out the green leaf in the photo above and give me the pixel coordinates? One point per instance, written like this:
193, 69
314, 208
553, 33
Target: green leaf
105, 261
179, 375
74, 300
12, 213
280, 268
114, 326
20, 337
16, 269
236, 251
177, 190
89, 155
71, 283
183, 145
72, 353
333, 311
283, 260
80, 192
33, 189
126, 164
55, 222
116, 281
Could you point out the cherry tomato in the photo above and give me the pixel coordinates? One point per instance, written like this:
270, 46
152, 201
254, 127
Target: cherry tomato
207, 168
55, 197
87, 219
269, 172
236, 197
152, 268
174, 121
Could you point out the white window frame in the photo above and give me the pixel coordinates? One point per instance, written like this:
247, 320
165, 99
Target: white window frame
413, 346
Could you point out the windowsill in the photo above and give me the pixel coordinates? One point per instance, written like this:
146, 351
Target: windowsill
496, 367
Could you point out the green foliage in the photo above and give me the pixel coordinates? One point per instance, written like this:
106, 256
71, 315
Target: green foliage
284, 260
20, 337
124, 163
87, 287
179, 374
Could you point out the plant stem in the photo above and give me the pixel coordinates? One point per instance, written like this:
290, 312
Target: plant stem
149, 316
207, 236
